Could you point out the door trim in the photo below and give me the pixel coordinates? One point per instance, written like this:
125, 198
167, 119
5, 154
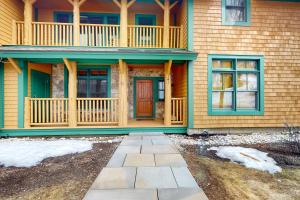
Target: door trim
155, 94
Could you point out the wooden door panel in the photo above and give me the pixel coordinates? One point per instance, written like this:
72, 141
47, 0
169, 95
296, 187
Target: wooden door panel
144, 98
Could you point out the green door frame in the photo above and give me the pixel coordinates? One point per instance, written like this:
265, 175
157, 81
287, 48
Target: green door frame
39, 73
155, 93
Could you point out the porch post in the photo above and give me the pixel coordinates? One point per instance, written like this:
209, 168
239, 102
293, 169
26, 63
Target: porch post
72, 67
168, 95
76, 20
28, 21
124, 5
166, 7
123, 93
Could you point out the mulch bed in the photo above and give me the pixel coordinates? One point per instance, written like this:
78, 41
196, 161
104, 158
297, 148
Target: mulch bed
78, 169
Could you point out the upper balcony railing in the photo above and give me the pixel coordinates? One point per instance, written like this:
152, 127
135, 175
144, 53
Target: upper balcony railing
97, 35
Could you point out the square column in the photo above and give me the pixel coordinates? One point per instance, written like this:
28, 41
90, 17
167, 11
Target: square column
168, 93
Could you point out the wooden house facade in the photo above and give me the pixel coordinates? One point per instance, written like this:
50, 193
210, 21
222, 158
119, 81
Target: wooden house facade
118, 66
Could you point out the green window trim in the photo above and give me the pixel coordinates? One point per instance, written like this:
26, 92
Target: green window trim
260, 84
153, 18
107, 68
248, 15
22, 91
155, 93
1, 95
70, 15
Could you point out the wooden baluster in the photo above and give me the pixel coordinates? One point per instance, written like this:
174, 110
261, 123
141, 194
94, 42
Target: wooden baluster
101, 112
32, 109
105, 119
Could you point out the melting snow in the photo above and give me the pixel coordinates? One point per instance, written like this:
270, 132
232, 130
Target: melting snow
251, 158
22, 153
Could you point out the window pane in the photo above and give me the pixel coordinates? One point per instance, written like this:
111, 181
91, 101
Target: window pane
82, 73
217, 81
252, 82
112, 20
222, 99
222, 64
98, 72
161, 85
235, 15
161, 95
228, 83
98, 88
242, 64
246, 100
242, 82
81, 88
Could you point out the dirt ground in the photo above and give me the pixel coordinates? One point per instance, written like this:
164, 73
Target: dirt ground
64, 177
223, 180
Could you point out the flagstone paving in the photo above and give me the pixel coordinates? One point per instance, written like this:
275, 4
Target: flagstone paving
145, 166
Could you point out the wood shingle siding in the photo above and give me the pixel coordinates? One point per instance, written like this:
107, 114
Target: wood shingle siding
274, 33
9, 10
10, 96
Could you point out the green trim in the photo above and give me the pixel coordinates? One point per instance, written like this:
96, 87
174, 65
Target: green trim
260, 89
66, 82
137, 16
84, 56
190, 64
70, 15
155, 93
1, 95
88, 131
22, 91
248, 15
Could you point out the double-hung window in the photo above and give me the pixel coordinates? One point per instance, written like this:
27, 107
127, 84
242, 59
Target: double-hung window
236, 12
93, 83
235, 85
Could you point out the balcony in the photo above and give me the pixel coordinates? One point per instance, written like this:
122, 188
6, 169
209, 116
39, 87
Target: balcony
97, 35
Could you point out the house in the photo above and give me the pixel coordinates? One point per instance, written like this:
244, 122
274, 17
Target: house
118, 66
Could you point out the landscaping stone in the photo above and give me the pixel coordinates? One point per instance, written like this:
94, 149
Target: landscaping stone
184, 177
173, 160
181, 194
155, 177
156, 149
115, 178
121, 194
139, 160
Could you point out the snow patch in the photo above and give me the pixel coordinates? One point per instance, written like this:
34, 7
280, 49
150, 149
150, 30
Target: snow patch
22, 153
249, 157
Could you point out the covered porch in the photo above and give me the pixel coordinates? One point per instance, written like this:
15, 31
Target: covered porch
98, 89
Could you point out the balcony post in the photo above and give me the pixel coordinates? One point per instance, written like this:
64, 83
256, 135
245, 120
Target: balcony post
28, 21
168, 94
72, 68
123, 93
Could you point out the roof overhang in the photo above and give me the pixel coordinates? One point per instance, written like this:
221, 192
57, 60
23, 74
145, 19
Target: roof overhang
94, 53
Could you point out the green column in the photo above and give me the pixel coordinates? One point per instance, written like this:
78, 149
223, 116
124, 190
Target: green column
190, 19
22, 91
1, 95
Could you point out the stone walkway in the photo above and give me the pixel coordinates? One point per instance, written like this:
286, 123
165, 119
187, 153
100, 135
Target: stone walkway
146, 166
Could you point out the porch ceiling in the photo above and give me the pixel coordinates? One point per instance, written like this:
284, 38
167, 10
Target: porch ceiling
92, 54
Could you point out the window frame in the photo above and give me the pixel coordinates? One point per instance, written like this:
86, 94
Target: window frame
108, 78
259, 110
248, 15
158, 90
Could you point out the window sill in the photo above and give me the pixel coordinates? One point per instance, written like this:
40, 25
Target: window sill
236, 23
235, 113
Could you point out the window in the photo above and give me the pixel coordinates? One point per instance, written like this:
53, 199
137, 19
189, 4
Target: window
161, 90
235, 85
93, 83
236, 12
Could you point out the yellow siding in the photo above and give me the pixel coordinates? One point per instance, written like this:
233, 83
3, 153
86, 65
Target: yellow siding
274, 33
46, 68
10, 97
9, 10
179, 80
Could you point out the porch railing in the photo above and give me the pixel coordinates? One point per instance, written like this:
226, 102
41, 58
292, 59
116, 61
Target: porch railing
96, 35
178, 111
97, 111
46, 111
145, 36
99, 35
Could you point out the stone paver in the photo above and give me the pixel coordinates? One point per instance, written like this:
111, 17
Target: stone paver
173, 160
181, 194
156, 149
139, 160
121, 194
184, 178
145, 166
115, 178
155, 177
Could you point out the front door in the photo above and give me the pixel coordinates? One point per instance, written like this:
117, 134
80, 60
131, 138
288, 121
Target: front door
144, 98
40, 84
